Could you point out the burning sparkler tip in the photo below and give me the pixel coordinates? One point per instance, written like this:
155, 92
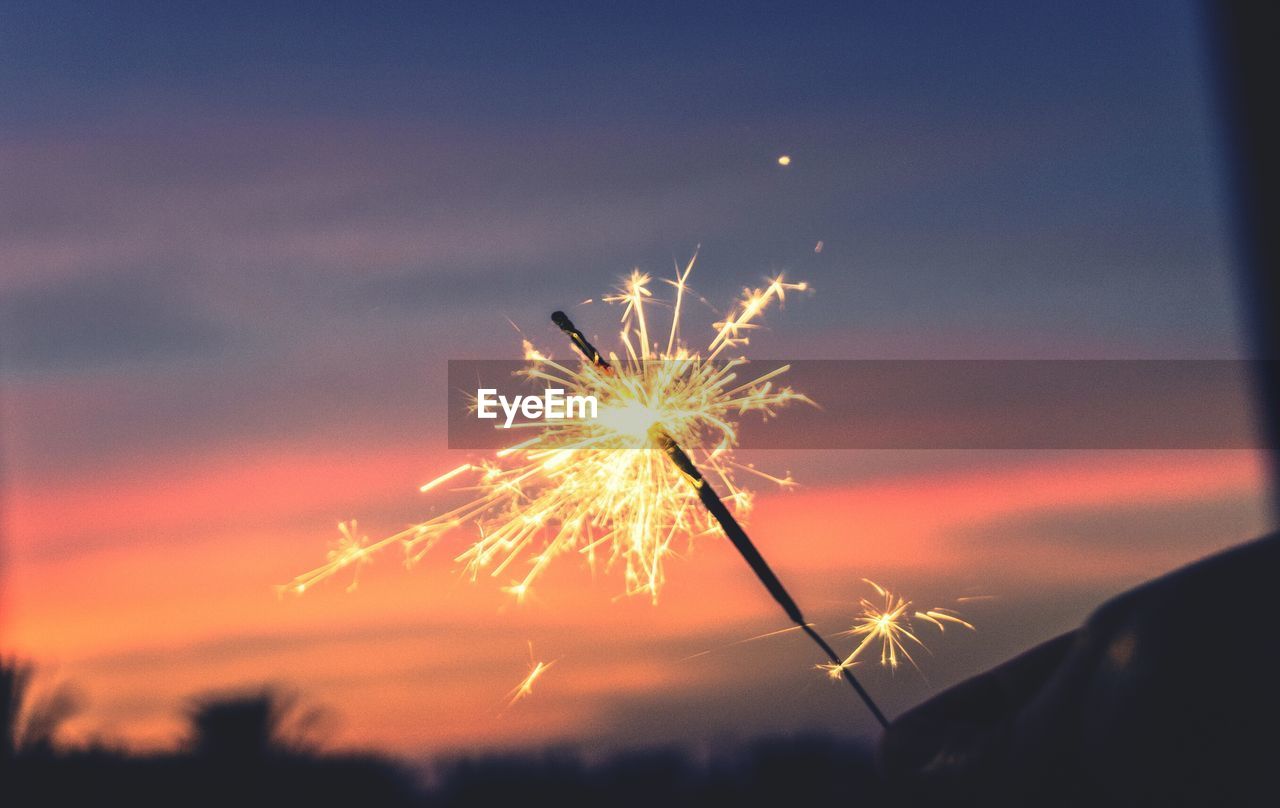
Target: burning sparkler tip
579, 487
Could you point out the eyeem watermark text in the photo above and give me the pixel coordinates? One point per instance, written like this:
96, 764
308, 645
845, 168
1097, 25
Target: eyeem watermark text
997, 404
553, 404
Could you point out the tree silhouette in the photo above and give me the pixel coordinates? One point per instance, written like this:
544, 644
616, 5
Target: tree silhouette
256, 725
29, 723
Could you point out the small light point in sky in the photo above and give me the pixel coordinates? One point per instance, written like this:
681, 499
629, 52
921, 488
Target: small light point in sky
817, 247
784, 160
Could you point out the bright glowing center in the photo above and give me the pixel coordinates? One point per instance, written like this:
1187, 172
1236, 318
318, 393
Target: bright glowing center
631, 418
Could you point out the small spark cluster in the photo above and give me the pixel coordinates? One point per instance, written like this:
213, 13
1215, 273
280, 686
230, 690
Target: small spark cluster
536, 669
888, 624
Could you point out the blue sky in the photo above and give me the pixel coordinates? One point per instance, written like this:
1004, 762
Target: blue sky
1035, 177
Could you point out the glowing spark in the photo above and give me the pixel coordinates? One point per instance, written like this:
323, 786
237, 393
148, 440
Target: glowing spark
446, 477
600, 487
525, 688
888, 623
351, 549
940, 618
836, 670
784, 160
764, 636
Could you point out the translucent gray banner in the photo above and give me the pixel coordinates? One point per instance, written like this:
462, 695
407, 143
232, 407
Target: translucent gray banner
940, 404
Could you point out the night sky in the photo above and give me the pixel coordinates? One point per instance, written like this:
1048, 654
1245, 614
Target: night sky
239, 242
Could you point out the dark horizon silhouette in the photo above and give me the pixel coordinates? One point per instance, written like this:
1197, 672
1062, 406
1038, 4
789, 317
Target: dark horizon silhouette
253, 746
1129, 707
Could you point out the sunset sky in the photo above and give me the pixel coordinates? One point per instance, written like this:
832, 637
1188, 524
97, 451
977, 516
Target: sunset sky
239, 245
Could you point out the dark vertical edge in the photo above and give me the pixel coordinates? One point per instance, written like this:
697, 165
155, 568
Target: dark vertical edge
1246, 61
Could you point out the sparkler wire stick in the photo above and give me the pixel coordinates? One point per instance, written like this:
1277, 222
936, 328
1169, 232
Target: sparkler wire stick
716, 507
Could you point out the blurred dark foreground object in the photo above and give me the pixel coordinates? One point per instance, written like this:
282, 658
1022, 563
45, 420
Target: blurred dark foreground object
1168, 695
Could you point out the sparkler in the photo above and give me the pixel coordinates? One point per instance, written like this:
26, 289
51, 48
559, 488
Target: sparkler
598, 487
625, 484
725, 519
889, 624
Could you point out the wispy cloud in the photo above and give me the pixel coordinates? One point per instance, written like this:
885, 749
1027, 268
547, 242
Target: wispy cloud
103, 320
